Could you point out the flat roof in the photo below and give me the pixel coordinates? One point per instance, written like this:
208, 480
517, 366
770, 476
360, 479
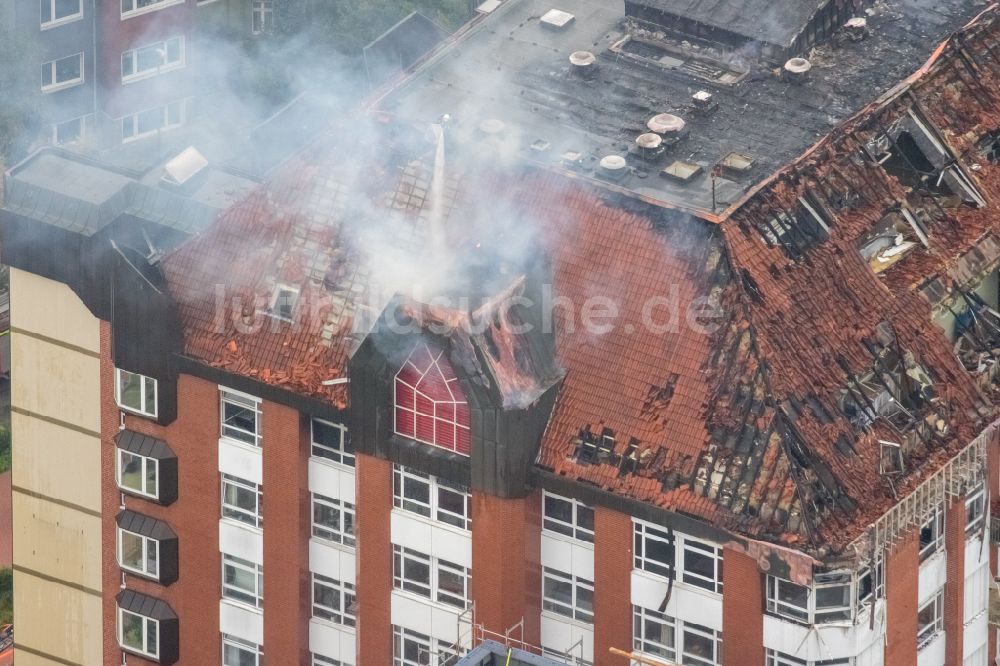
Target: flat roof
512, 68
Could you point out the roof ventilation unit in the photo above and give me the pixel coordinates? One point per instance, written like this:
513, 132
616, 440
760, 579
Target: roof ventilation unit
557, 19
583, 63
188, 164
857, 28
797, 70
612, 167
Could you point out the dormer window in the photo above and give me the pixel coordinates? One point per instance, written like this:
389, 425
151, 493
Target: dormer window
283, 302
430, 405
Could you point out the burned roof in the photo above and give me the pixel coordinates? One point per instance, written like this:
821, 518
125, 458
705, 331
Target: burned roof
512, 68
767, 374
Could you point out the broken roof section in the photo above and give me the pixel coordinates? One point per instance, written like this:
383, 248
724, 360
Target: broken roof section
512, 68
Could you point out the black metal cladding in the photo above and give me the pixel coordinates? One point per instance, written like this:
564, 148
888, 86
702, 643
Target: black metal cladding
150, 447
169, 629
167, 564
504, 442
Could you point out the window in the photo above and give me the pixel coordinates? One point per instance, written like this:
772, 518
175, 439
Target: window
332, 442
54, 12
977, 592
132, 7
430, 404
152, 59
833, 599
137, 474
138, 554
830, 599
436, 579
654, 549
320, 660
283, 302
567, 595
775, 658
70, 131
870, 584
431, 497
138, 633
333, 600
62, 73
238, 652
568, 517
932, 534
975, 511
700, 646
262, 17
152, 121
135, 393
333, 520
701, 564
414, 649
653, 633
242, 581
930, 620
242, 501
240, 417
787, 599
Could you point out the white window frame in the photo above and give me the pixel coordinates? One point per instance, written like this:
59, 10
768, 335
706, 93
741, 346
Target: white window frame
691, 658
254, 518
256, 650
317, 659
265, 10
63, 85
927, 635
132, 120
154, 6
439, 653
81, 121
937, 524
699, 549
279, 294
575, 609
977, 497
431, 589
644, 532
247, 567
163, 49
404, 477
553, 524
812, 613
641, 642
346, 615
143, 393
146, 621
776, 658
146, 461
341, 454
149, 545
237, 433
56, 22
340, 534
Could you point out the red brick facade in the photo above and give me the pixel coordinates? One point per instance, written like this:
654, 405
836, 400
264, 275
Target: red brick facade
374, 578
901, 593
194, 516
954, 589
742, 610
287, 581
612, 585
506, 575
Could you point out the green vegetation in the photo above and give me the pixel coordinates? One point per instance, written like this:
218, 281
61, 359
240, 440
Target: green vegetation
6, 596
5, 457
20, 121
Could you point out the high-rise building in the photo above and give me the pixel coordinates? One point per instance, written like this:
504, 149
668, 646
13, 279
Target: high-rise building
645, 353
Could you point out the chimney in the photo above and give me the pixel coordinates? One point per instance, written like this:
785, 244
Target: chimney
583, 63
797, 70
857, 28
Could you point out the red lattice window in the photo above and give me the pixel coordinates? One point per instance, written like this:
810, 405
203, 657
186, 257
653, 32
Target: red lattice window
430, 406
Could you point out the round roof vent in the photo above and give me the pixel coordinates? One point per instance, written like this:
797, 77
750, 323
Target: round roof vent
612, 162
582, 58
858, 22
491, 126
665, 123
649, 140
798, 66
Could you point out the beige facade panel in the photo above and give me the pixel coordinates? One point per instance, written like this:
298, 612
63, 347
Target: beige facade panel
56, 462
57, 541
57, 620
55, 382
51, 309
